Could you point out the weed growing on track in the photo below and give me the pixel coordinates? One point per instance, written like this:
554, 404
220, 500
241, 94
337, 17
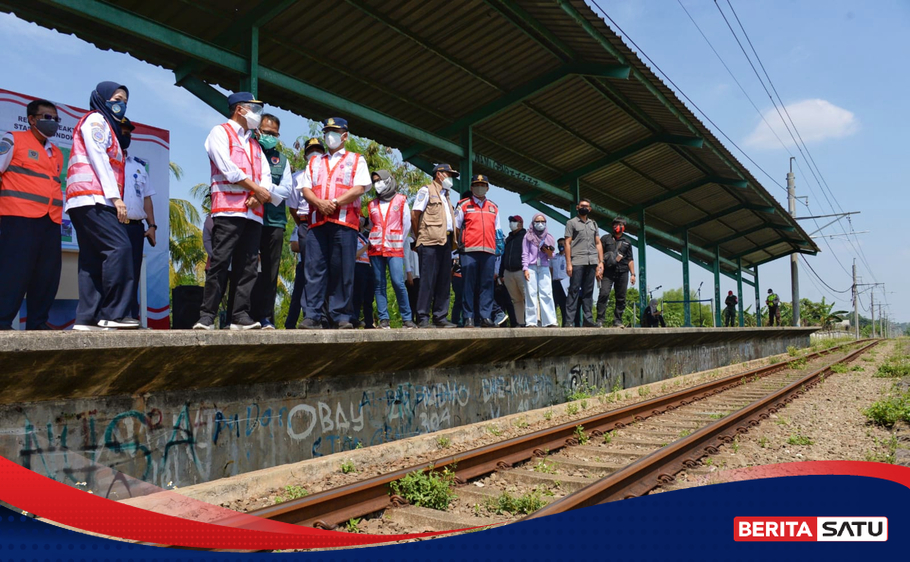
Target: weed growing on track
708, 461
608, 437
644, 391
548, 415
581, 435
544, 467
888, 456
774, 360
685, 433
427, 489
352, 526
583, 390
584, 404
783, 420
792, 351
735, 445
894, 407
894, 369
763, 442
292, 493
840, 368
857, 368
799, 439
798, 364
347, 467
572, 409
443, 442
718, 415
507, 503
494, 429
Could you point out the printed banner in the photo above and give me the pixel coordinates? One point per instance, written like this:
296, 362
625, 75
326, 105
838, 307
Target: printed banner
149, 144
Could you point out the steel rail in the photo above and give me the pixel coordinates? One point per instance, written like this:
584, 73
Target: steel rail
329, 508
660, 467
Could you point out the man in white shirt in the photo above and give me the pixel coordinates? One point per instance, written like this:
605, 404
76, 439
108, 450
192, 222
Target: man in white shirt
241, 184
137, 195
300, 210
332, 185
559, 276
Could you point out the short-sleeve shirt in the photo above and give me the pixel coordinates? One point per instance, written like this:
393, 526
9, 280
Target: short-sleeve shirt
584, 241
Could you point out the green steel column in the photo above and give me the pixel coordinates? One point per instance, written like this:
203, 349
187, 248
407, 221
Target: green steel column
718, 322
467, 161
576, 193
757, 297
250, 82
739, 290
642, 264
687, 306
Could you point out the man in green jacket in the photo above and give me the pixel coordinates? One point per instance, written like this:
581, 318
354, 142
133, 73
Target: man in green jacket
773, 302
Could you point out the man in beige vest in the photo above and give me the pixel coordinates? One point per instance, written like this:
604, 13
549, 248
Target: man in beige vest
433, 225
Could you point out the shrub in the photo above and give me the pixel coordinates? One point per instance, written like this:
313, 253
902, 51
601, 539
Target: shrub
427, 489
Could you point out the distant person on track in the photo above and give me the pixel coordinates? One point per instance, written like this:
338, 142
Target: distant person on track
730, 310
241, 184
94, 202
31, 207
773, 302
538, 248
332, 185
584, 264
619, 266
477, 220
433, 221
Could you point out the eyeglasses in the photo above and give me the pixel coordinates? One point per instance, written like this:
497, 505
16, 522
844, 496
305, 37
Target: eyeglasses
48, 117
275, 134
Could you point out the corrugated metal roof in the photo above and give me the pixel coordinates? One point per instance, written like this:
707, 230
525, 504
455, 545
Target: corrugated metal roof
429, 63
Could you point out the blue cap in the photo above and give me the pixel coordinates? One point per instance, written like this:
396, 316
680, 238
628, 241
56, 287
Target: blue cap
444, 168
480, 178
242, 97
335, 123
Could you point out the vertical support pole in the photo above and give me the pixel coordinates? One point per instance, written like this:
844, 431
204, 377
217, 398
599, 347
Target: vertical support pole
642, 264
687, 305
872, 309
716, 265
757, 298
855, 303
466, 168
739, 290
250, 83
575, 188
794, 258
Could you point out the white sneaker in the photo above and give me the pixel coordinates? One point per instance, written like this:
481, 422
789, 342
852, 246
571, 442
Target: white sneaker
253, 326
201, 326
123, 323
89, 328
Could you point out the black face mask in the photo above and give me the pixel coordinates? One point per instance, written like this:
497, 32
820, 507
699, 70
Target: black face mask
47, 127
583, 211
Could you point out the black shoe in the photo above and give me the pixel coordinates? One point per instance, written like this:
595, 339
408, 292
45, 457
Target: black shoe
445, 324
309, 324
469, 323
487, 323
425, 323
407, 325
357, 324
618, 324
384, 324
599, 324
5, 328
42, 327
345, 326
587, 324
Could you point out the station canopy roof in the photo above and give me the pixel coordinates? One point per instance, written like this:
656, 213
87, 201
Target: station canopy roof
552, 96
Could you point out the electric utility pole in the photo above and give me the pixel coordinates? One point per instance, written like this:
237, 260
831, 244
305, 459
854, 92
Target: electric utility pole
872, 310
855, 302
794, 258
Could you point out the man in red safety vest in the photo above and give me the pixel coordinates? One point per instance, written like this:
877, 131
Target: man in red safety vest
477, 220
31, 207
332, 186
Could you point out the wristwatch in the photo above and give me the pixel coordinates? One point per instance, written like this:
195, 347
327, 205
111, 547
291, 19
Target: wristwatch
334, 200
151, 226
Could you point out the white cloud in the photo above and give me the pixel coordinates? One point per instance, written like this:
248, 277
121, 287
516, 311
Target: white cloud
816, 119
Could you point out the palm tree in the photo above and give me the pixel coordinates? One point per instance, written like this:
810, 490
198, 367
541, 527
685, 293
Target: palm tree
187, 252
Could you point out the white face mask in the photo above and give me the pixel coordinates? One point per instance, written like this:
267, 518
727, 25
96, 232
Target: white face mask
513, 226
480, 191
333, 139
448, 182
382, 186
252, 120
540, 226
312, 155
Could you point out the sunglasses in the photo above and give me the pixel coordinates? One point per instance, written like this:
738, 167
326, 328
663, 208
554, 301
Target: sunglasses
48, 117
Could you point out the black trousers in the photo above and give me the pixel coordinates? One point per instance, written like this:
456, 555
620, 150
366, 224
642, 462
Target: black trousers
235, 242
729, 317
136, 232
106, 282
29, 265
413, 291
266, 288
559, 297
458, 293
583, 277
504, 301
435, 282
298, 294
615, 281
364, 294
773, 315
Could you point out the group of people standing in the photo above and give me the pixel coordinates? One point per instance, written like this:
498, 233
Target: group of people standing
107, 198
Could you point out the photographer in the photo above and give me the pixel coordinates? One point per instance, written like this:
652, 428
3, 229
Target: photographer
618, 265
536, 251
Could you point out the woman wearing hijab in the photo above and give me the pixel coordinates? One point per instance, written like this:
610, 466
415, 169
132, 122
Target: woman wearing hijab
536, 250
94, 202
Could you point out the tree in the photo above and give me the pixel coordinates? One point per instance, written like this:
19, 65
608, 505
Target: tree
187, 264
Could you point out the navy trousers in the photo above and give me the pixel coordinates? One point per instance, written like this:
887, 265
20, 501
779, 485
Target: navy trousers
136, 231
364, 293
330, 253
106, 282
477, 268
29, 265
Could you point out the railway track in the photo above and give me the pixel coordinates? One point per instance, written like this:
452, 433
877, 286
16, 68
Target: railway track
619, 454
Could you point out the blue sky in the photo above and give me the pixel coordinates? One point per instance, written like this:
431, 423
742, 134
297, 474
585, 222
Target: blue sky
836, 65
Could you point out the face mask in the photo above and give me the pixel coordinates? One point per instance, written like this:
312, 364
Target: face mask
252, 120
447, 183
562, 249
584, 211
382, 185
312, 155
268, 142
540, 226
513, 226
47, 127
333, 140
127, 140
117, 107
480, 191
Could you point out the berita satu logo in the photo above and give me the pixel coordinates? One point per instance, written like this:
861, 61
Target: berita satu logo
810, 529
